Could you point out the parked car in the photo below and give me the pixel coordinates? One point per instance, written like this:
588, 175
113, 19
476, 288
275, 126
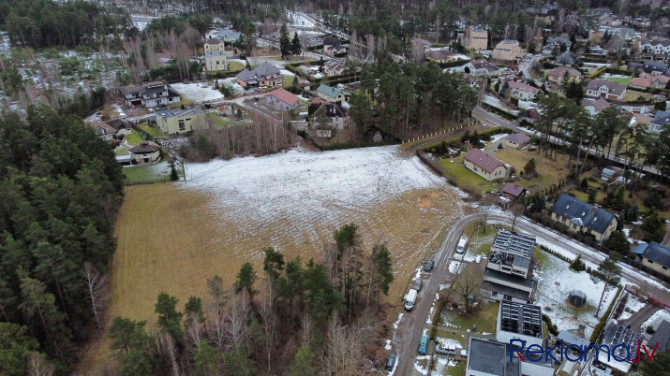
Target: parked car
417, 284
423, 345
390, 362
428, 267
451, 350
410, 299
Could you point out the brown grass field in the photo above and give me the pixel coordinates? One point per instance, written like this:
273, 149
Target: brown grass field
171, 240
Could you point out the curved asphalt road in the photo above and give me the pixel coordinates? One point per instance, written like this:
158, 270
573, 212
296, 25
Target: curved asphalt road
407, 336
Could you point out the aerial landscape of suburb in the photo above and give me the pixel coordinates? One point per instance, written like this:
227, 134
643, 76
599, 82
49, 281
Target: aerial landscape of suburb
334, 188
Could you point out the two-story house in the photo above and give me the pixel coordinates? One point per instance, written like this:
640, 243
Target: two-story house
579, 216
265, 74
214, 45
507, 50
216, 61
180, 121
281, 100
655, 257
606, 89
151, 94
331, 94
481, 67
561, 74
333, 67
521, 91
475, 38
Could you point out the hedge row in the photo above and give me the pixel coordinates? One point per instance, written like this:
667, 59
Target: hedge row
553, 329
603, 320
597, 73
560, 256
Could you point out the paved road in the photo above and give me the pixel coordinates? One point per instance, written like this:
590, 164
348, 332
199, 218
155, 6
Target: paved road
406, 338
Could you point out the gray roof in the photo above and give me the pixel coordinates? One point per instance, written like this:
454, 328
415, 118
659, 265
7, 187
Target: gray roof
512, 248
661, 336
491, 357
145, 147
214, 54
518, 138
520, 318
213, 41
583, 214
506, 290
332, 41
661, 120
266, 69
567, 58
658, 254
620, 334
572, 339
612, 87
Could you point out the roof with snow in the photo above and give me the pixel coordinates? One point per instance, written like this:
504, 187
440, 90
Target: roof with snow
482, 160
579, 212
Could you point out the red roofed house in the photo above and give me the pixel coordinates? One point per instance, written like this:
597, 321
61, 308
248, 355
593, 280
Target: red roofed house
484, 165
512, 190
516, 141
282, 100
647, 80
522, 91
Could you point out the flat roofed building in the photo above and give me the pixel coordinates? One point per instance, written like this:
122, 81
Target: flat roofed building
511, 253
491, 358
519, 321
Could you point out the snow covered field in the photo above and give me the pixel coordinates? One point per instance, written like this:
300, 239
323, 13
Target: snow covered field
657, 318
555, 282
197, 92
306, 187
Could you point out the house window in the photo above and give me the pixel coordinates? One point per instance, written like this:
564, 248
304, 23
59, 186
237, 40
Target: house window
665, 268
182, 125
649, 261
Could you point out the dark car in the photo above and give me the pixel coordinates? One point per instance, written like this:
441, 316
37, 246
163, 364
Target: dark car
390, 362
429, 265
417, 284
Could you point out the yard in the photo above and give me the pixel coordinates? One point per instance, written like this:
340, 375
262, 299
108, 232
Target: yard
218, 120
157, 173
134, 138
235, 66
485, 318
551, 171
454, 170
152, 131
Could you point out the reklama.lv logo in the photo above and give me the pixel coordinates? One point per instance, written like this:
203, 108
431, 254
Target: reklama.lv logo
576, 353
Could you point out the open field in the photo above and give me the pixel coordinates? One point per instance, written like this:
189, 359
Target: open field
172, 237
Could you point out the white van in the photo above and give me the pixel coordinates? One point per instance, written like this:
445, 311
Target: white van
460, 248
410, 299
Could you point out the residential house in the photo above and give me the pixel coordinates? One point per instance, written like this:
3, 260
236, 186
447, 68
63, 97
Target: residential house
513, 191
521, 91
122, 127
596, 51
659, 122
661, 336
336, 115
594, 106
103, 130
508, 269
332, 45
228, 35
216, 61
333, 67
146, 152
646, 80
476, 38
484, 165
282, 100
265, 74
579, 216
651, 67
647, 120
566, 58
655, 47
438, 56
516, 141
487, 357
605, 89
562, 43
214, 45
616, 339
557, 75
507, 50
151, 94
420, 48
331, 94
519, 321
481, 67
655, 257
180, 121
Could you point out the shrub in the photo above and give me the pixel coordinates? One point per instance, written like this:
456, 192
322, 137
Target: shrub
650, 330
603, 320
553, 329
578, 265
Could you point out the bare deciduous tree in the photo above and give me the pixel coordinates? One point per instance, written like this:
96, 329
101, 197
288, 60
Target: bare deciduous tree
95, 283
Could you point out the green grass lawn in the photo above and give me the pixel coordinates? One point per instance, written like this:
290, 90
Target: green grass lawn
620, 80
121, 151
134, 138
463, 177
288, 80
153, 131
485, 318
218, 120
235, 66
157, 173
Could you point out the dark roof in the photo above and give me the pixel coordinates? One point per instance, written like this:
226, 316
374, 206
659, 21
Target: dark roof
332, 41
213, 41
661, 336
567, 58
520, 318
518, 138
612, 87
482, 160
513, 189
266, 69
620, 334
572, 339
492, 357
658, 254
506, 290
145, 147
512, 248
579, 212
118, 124
662, 120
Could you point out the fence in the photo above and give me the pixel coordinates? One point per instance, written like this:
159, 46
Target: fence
432, 134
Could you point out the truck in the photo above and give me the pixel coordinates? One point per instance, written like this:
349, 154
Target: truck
410, 299
462, 243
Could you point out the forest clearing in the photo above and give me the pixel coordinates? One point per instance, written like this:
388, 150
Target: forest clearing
173, 237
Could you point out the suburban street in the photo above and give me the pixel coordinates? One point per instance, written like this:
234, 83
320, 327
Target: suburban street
407, 336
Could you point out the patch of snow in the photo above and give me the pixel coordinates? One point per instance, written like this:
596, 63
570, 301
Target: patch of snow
449, 342
419, 368
633, 305
197, 92
460, 57
498, 137
430, 314
657, 318
387, 346
397, 322
455, 267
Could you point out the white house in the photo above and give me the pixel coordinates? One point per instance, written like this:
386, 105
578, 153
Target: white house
522, 91
605, 89
216, 61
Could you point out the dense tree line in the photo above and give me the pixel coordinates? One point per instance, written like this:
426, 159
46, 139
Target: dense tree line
395, 97
304, 318
44, 23
61, 187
